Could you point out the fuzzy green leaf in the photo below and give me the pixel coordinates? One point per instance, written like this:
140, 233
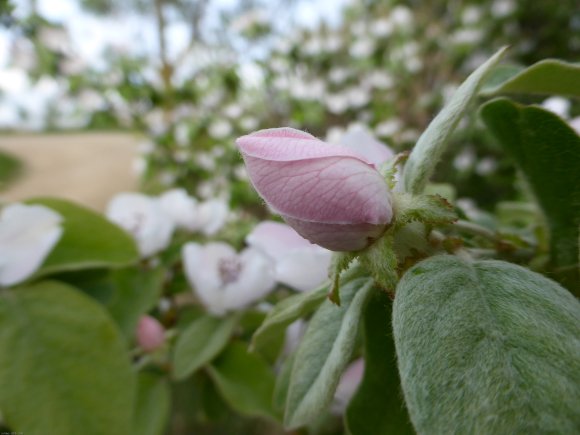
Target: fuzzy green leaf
547, 151
487, 347
378, 407
284, 313
547, 77
323, 354
244, 380
89, 241
152, 405
433, 141
200, 343
64, 368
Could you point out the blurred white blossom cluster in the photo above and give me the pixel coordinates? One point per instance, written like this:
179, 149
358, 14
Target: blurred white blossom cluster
222, 279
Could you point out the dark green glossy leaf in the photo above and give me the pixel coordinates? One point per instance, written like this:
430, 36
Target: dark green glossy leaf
547, 151
378, 407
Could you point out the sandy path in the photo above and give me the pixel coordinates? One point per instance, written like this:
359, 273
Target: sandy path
88, 168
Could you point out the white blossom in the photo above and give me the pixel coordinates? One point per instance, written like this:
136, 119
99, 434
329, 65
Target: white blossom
558, 105
575, 124
212, 215
359, 138
181, 134
401, 16
388, 127
382, 28
224, 280
486, 166
181, 208
502, 8
28, 233
464, 160
249, 123
298, 263
143, 217
220, 129
337, 103
362, 48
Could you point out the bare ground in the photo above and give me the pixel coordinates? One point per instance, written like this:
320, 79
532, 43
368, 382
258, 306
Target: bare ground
88, 168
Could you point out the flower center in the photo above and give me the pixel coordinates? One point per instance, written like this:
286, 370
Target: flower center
229, 269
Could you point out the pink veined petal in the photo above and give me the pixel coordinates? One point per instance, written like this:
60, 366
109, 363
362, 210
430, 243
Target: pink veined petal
287, 144
332, 189
337, 237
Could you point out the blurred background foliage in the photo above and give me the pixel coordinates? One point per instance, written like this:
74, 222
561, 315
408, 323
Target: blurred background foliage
389, 65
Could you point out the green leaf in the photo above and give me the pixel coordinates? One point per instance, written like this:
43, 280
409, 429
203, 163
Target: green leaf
499, 75
487, 347
200, 343
378, 407
136, 291
283, 314
89, 241
283, 382
63, 364
548, 77
10, 169
433, 141
547, 151
324, 353
244, 380
152, 404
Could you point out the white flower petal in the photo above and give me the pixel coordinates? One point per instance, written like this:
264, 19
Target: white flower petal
304, 269
201, 264
276, 239
181, 207
143, 217
255, 281
28, 234
212, 215
558, 105
363, 142
298, 263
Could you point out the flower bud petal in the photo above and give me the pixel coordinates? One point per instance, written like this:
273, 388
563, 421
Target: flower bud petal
150, 333
328, 193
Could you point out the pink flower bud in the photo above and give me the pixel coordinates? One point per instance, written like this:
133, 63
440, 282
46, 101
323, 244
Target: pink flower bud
329, 194
150, 333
